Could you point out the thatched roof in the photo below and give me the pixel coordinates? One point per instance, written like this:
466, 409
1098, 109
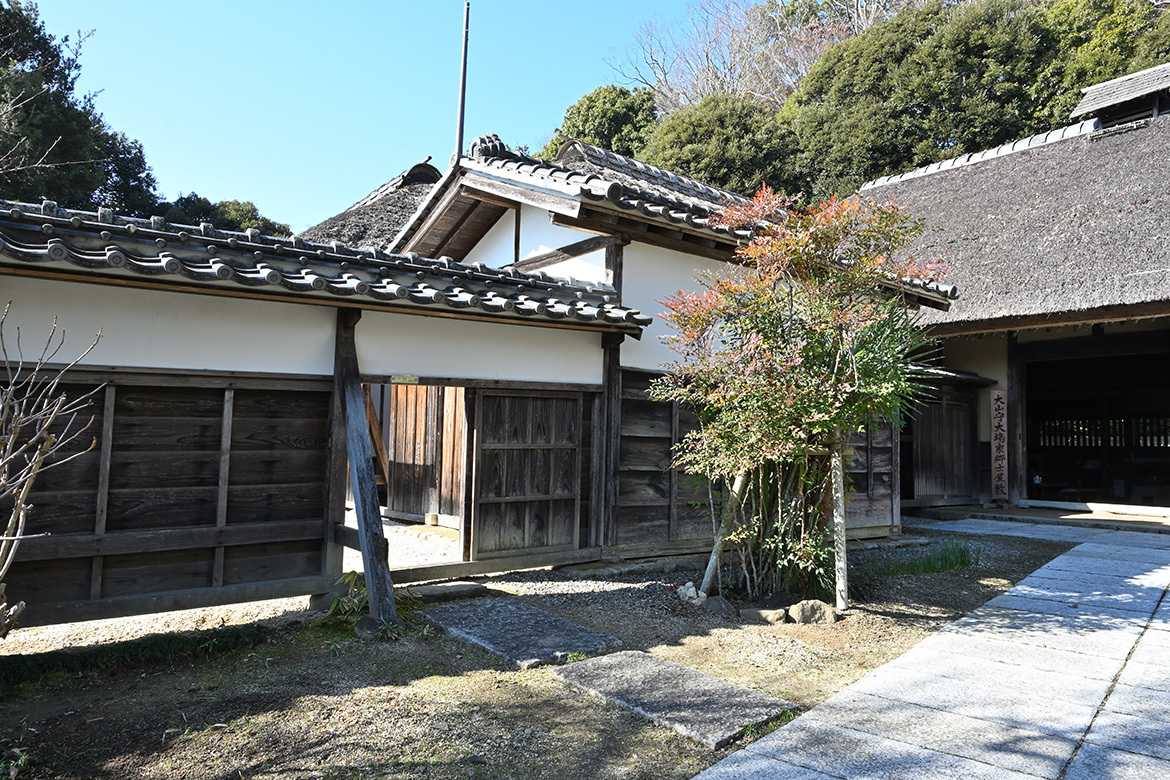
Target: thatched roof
1070, 231
374, 221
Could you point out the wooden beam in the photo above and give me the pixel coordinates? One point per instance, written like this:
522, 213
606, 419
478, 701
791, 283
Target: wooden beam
123, 606
448, 571
379, 443
379, 585
43, 548
103, 491
332, 553
639, 230
221, 499
477, 185
567, 252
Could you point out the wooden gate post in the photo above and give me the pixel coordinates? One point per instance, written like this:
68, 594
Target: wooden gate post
347, 381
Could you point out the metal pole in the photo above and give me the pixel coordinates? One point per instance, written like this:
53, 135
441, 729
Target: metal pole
462, 85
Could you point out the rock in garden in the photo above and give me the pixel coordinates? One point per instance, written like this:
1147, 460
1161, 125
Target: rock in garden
812, 611
720, 606
691, 595
772, 616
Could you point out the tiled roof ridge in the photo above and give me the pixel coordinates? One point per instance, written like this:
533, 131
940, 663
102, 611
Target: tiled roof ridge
258, 260
605, 158
490, 152
1031, 142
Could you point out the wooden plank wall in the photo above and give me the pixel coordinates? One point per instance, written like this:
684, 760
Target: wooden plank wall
424, 433
193, 490
528, 465
655, 503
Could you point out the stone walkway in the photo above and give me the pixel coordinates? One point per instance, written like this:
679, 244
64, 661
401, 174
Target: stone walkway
1066, 676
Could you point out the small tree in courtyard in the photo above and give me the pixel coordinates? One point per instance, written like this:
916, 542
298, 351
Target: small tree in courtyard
781, 358
39, 424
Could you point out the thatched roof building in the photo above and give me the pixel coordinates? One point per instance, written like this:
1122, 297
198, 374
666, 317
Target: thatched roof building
1068, 230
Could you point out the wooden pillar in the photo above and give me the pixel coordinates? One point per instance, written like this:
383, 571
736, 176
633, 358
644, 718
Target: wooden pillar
611, 401
103, 491
1017, 463
332, 553
347, 382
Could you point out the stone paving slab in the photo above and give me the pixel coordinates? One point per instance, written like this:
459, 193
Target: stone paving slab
1053, 533
1106, 637
1131, 593
519, 632
1135, 539
1114, 552
1058, 686
746, 765
1094, 762
1049, 659
704, 708
1017, 749
1131, 734
1072, 607
1139, 702
1104, 567
847, 753
976, 700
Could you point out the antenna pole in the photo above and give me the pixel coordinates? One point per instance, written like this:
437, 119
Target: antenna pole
462, 86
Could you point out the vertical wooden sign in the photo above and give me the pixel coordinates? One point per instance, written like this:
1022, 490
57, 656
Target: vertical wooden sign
999, 445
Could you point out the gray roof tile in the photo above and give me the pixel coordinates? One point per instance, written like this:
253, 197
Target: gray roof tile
105, 245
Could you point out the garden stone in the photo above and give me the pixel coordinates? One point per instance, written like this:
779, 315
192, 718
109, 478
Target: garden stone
720, 606
691, 595
812, 611
771, 616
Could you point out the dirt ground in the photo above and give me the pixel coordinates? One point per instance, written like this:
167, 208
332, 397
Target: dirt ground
313, 701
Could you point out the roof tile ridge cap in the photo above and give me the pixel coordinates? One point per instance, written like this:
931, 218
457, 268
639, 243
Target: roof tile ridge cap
967, 159
641, 168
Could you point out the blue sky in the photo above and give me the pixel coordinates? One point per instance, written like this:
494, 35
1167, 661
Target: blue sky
305, 107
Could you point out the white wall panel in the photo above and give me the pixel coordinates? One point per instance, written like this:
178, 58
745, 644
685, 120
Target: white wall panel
464, 349
152, 329
650, 275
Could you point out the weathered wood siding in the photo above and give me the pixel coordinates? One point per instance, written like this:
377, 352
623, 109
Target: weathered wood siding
191, 495
872, 507
655, 502
423, 427
529, 458
944, 432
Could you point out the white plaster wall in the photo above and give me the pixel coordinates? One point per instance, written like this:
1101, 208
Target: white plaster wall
651, 274
537, 235
409, 345
151, 329
987, 357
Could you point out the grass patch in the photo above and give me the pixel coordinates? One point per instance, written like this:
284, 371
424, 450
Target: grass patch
147, 650
949, 555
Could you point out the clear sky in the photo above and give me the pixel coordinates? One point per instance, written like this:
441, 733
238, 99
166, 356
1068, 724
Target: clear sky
305, 107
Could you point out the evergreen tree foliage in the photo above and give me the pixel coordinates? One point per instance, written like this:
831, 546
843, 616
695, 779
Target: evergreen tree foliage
192, 208
615, 118
53, 141
724, 140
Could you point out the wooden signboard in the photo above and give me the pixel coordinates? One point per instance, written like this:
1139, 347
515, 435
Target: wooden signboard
999, 441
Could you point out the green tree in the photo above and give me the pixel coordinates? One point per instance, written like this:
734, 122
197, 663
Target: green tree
779, 359
726, 141
192, 208
1097, 40
945, 79
612, 117
53, 142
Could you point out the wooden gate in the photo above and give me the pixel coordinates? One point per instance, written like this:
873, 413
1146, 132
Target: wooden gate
944, 449
527, 473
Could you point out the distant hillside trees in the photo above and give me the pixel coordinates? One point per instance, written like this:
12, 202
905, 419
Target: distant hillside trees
930, 82
54, 144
